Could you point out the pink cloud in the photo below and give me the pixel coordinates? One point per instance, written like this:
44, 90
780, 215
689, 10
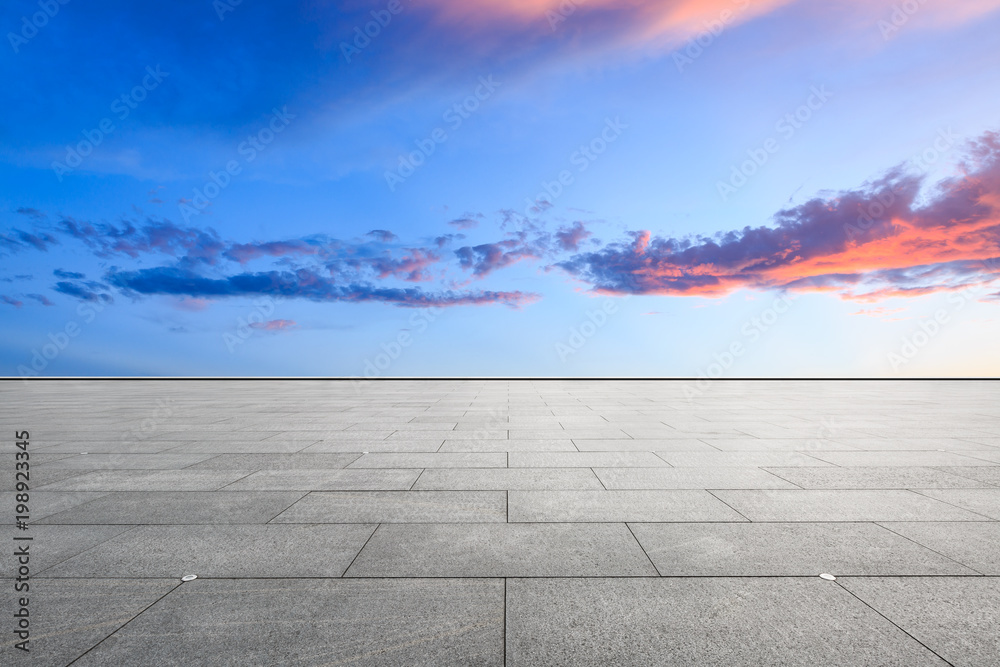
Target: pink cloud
570, 238
274, 325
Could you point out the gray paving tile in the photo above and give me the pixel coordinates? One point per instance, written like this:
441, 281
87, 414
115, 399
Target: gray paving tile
51, 545
672, 445
398, 507
911, 444
980, 456
46, 503
574, 434
108, 446
700, 427
351, 437
583, 506
849, 505
187, 507
739, 459
973, 544
873, 478
586, 460
957, 618
989, 475
509, 479
340, 621
690, 478
427, 437
337, 447
243, 435
167, 461
70, 616
989, 440
222, 551
698, 622
483, 445
434, 460
985, 502
904, 459
326, 480
253, 462
37, 476
147, 480
502, 550
786, 549
776, 444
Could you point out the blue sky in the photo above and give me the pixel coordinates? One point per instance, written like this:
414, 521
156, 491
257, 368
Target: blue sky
521, 187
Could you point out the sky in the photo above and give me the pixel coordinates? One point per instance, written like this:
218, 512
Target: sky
565, 188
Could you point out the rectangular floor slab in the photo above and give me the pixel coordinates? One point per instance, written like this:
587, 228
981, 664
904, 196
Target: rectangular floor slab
641, 622
165, 461
981, 457
148, 480
502, 550
326, 480
850, 505
911, 444
615, 506
110, 446
586, 460
690, 478
254, 462
717, 459
71, 616
659, 445
974, 544
483, 445
509, 479
343, 447
431, 460
989, 475
398, 507
51, 545
802, 445
187, 507
873, 478
786, 549
957, 618
288, 445
316, 622
43, 504
985, 502
600, 433
37, 477
905, 459
222, 552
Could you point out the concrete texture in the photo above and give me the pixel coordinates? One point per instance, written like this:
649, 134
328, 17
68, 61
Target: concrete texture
503, 550
699, 622
966, 613
462, 522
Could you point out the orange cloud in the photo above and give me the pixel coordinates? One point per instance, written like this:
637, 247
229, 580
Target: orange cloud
866, 245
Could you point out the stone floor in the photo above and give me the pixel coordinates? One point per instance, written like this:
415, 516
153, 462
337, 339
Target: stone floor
505, 522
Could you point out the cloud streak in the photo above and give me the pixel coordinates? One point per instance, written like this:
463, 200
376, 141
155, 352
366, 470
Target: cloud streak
894, 236
867, 244
301, 284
